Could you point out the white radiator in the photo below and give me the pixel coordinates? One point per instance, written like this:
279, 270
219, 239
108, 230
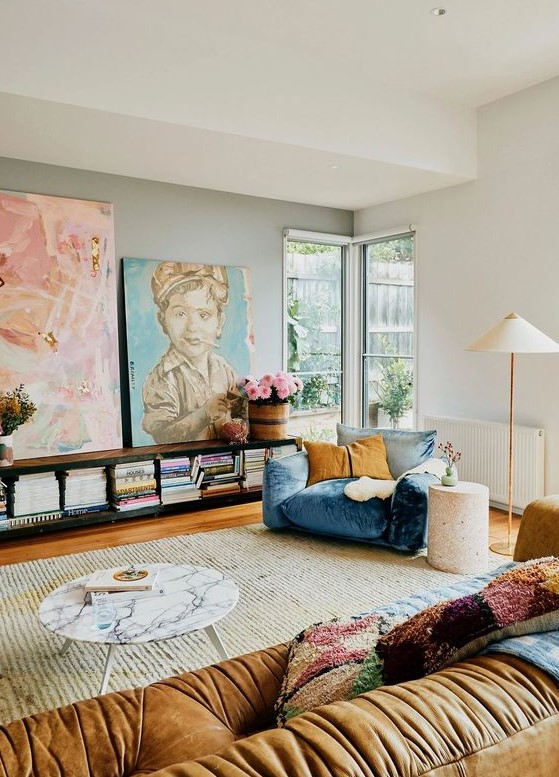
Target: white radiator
485, 455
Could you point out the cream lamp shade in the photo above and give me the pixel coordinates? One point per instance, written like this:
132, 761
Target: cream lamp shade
512, 335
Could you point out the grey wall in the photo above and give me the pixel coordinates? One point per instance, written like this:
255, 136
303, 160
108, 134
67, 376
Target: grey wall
486, 249
164, 221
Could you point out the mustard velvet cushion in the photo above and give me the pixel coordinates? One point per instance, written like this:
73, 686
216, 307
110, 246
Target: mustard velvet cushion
328, 461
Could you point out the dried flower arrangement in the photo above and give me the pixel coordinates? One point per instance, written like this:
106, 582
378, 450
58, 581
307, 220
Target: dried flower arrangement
16, 408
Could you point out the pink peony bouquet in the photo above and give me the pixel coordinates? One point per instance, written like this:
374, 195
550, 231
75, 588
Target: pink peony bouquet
271, 389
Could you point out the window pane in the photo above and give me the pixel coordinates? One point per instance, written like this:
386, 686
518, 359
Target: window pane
314, 336
388, 332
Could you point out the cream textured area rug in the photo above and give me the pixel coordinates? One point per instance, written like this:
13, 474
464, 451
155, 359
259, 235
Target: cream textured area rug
286, 582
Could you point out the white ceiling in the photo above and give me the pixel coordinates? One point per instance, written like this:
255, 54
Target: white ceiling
339, 103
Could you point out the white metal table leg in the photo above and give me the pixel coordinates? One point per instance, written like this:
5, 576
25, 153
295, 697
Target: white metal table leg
215, 639
65, 646
108, 666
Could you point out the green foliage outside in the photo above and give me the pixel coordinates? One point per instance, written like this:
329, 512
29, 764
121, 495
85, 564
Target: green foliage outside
318, 433
395, 390
398, 250
314, 349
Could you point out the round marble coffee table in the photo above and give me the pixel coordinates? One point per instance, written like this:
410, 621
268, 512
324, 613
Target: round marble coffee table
195, 598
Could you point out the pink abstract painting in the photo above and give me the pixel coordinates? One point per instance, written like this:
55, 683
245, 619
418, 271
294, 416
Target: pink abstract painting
58, 322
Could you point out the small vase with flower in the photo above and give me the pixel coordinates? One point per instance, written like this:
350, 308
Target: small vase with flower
15, 409
450, 457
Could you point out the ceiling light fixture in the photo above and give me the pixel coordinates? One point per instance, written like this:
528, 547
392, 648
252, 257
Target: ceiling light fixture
437, 11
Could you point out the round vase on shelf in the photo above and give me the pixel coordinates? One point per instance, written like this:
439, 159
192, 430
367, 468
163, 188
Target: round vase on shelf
268, 422
450, 478
6, 450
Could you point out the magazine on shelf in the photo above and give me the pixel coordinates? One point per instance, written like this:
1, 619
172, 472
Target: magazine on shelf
132, 469
133, 488
136, 503
84, 509
132, 578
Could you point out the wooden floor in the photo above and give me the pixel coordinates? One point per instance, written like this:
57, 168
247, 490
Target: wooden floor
124, 532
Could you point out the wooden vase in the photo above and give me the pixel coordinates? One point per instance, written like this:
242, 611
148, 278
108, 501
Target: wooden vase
268, 422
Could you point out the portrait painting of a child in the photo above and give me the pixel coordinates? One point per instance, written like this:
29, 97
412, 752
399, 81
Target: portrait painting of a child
189, 337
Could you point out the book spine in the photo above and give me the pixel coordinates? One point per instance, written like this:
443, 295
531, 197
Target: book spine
143, 470
69, 511
228, 466
225, 477
168, 465
169, 474
134, 488
139, 500
131, 479
217, 458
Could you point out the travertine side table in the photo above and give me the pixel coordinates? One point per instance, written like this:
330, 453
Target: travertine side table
458, 527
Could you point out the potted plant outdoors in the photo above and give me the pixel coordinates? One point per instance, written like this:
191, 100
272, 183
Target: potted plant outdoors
16, 408
395, 390
269, 398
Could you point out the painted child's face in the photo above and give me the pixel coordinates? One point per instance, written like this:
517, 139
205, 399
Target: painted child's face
193, 322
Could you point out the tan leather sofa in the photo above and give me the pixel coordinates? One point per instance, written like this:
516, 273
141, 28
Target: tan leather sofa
485, 717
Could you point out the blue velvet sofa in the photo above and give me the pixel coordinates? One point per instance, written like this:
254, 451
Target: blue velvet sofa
399, 521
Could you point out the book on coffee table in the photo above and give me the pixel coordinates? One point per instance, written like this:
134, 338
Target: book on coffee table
124, 596
132, 578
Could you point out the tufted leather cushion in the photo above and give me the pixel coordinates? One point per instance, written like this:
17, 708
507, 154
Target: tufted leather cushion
493, 716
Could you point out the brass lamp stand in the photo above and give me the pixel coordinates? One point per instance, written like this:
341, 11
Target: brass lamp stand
513, 335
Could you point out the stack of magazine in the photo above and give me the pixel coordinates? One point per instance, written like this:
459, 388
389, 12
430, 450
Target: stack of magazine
176, 481
84, 490
35, 499
4, 523
132, 485
217, 473
123, 584
255, 458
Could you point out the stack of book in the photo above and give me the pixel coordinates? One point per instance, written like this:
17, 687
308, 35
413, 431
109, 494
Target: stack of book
278, 451
132, 485
4, 523
217, 473
123, 583
176, 481
255, 459
34, 499
83, 490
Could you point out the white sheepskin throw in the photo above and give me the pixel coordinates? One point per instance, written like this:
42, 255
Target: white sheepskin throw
366, 488
433, 466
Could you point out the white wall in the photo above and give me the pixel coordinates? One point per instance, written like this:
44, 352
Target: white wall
166, 221
486, 249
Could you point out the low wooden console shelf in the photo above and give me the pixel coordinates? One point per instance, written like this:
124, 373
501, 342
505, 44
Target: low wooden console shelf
59, 465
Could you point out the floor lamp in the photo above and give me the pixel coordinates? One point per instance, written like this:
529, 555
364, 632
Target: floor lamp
513, 335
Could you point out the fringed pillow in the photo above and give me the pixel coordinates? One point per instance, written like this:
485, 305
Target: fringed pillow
524, 600
339, 659
332, 661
